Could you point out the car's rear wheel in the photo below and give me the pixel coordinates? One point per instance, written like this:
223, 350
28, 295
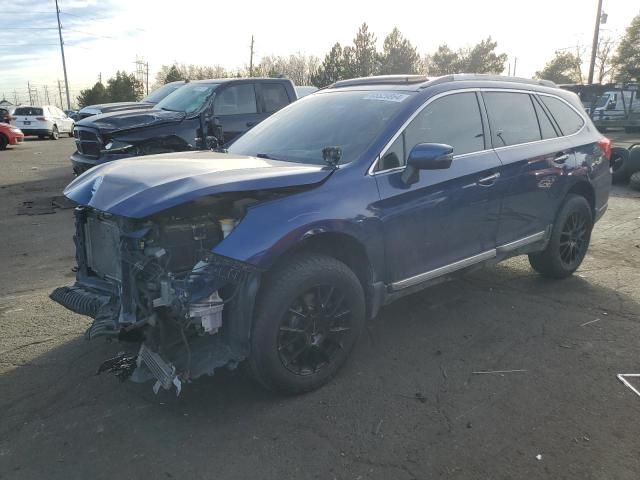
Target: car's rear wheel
4, 141
55, 134
308, 318
569, 240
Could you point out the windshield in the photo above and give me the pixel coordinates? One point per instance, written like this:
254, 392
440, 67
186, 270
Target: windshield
189, 99
159, 93
350, 120
602, 101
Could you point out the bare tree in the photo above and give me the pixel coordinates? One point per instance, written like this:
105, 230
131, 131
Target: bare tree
604, 56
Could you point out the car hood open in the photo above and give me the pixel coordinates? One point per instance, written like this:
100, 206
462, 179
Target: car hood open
142, 186
130, 119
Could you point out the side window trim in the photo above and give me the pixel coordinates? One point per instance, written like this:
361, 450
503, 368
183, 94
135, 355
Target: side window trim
372, 168
545, 111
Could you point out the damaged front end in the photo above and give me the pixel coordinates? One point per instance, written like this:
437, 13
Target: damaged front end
155, 285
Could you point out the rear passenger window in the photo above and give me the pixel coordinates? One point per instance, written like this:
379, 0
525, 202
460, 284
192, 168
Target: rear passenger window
454, 120
512, 118
236, 100
275, 96
546, 127
568, 120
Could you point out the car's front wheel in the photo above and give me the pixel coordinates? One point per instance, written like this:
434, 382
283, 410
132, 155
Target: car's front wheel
569, 240
4, 141
308, 318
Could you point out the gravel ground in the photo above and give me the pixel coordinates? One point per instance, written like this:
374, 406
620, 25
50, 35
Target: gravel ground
407, 405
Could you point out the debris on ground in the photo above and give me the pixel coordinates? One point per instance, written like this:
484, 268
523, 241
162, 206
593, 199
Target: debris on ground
481, 372
590, 321
623, 378
45, 205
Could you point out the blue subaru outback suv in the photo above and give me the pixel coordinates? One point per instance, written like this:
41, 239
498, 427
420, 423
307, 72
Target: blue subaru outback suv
276, 252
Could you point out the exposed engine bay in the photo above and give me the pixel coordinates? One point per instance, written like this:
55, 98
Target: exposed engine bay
155, 285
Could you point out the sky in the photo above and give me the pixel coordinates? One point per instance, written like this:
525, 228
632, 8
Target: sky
102, 36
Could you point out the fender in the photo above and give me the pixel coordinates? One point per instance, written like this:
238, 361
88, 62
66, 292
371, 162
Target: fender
273, 228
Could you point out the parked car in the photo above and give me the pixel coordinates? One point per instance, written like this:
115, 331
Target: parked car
72, 114
279, 251
176, 122
5, 115
10, 135
45, 121
303, 91
146, 103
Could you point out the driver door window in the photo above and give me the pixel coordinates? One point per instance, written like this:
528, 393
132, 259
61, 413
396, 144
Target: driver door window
453, 120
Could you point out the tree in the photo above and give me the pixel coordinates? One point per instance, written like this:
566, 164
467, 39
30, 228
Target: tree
298, 68
124, 87
627, 60
444, 61
332, 68
564, 67
173, 75
364, 61
399, 55
603, 66
93, 96
481, 58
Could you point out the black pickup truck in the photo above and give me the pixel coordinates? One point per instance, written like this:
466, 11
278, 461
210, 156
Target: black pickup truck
201, 114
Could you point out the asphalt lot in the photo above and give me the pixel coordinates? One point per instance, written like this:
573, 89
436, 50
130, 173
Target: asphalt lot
407, 405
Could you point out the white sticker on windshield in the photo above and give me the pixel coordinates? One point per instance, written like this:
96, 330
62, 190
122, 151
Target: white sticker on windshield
386, 96
200, 89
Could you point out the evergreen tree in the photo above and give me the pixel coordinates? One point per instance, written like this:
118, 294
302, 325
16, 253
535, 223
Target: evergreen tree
399, 55
364, 61
332, 68
173, 75
124, 88
93, 96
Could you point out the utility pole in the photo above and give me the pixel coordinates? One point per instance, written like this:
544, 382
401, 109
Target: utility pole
46, 94
60, 92
64, 62
29, 90
147, 77
509, 74
515, 64
251, 59
15, 98
594, 45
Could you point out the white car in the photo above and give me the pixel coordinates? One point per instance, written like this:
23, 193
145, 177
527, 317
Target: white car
45, 121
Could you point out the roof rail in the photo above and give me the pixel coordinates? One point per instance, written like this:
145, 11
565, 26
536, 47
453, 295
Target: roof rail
461, 77
381, 80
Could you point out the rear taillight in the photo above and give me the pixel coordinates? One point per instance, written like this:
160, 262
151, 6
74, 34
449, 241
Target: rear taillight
605, 145
42, 119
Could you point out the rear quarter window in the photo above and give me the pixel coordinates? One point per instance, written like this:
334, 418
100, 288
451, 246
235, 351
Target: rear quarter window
274, 96
28, 111
566, 117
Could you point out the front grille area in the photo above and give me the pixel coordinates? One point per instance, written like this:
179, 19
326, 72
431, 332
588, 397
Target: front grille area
87, 141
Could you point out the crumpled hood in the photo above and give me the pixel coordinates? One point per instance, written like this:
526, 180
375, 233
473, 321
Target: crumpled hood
130, 119
142, 186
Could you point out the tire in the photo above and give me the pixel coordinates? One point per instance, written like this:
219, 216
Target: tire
41, 137
55, 135
569, 240
4, 141
294, 347
624, 163
634, 181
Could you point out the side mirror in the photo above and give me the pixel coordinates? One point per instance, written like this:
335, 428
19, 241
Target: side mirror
427, 156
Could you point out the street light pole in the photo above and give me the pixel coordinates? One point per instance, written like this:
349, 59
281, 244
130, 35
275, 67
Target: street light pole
594, 46
64, 63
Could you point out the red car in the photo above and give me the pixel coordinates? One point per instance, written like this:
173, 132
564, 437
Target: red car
10, 135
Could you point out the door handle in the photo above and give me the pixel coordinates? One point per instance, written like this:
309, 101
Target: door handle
490, 180
251, 124
561, 158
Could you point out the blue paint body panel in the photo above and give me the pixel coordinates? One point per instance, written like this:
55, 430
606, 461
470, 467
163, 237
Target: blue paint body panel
445, 216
